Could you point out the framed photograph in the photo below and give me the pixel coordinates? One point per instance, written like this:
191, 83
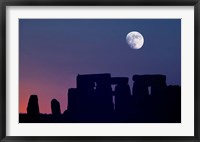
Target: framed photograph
99, 70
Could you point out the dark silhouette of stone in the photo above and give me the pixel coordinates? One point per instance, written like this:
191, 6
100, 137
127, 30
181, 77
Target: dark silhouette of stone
174, 107
90, 81
76, 107
119, 80
122, 92
33, 107
92, 102
92, 99
55, 107
122, 95
73, 100
142, 82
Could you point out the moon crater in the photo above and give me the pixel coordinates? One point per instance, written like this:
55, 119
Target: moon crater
135, 40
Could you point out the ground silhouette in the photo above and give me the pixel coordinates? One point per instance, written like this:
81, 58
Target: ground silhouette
95, 100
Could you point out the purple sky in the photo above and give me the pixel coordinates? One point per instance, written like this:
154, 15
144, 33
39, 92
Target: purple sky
54, 51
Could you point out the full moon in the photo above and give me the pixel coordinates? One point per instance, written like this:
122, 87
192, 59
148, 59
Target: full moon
135, 40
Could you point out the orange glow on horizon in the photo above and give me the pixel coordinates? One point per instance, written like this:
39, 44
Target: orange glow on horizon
45, 92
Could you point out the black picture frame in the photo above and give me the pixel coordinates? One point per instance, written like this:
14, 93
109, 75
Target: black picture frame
5, 3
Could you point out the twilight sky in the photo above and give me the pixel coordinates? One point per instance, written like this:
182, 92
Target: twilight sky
52, 52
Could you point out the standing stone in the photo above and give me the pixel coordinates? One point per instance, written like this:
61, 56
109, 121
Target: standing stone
55, 107
33, 107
